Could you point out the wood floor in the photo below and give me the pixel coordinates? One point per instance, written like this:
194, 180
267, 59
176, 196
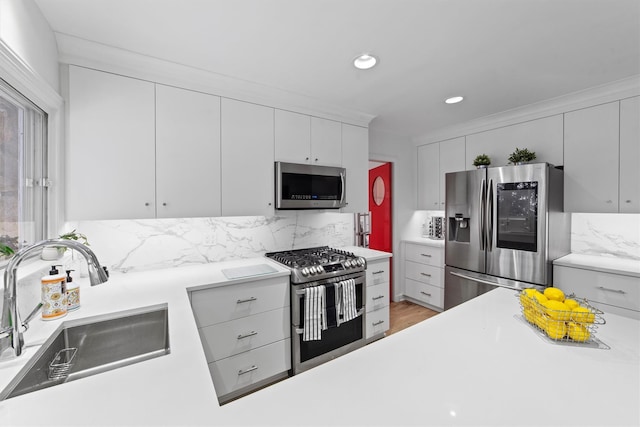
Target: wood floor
403, 314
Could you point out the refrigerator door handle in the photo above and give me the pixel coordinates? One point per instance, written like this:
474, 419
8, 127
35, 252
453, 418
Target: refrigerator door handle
489, 216
499, 282
482, 208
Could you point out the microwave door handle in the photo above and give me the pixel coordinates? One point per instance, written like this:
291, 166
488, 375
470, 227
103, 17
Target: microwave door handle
342, 193
490, 217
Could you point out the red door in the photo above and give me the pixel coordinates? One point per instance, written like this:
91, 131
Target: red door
380, 208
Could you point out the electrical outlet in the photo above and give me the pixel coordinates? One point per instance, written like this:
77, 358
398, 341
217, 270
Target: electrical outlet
209, 239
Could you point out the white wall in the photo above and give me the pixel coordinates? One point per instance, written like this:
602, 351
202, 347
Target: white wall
25, 31
398, 149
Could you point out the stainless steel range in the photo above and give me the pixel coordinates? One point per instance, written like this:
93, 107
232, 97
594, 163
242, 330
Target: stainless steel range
339, 276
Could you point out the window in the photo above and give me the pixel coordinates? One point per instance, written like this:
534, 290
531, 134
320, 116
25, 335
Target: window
23, 191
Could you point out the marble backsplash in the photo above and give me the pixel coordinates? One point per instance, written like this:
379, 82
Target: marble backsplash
615, 235
128, 245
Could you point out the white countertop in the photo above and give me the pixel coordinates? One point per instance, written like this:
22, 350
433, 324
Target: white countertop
607, 264
368, 254
474, 364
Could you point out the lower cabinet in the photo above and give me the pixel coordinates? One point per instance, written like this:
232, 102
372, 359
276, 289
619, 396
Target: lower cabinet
377, 317
612, 293
245, 334
424, 274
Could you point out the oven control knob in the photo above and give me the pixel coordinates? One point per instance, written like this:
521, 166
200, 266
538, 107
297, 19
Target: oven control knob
305, 271
312, 270
320, 269
360, 261
347, 264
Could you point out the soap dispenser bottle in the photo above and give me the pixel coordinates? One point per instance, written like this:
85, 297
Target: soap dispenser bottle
73, 293
54, 295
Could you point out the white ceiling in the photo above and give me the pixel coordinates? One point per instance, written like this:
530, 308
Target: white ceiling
499, 54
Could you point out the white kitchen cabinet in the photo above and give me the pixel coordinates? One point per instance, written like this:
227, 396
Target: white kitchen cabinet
543, 136
424, 274
355, 159
428, 173
451, 160
110, 164
187, 153
377, 305
591, 161
292, 137
247, 158
245, 333
327, 142
609, 292
630, 155
434, 161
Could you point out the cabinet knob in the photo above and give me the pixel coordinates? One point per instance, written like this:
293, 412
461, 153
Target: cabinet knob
627, 201
306, 158
164, 204
146, 203
609, 201
316, 159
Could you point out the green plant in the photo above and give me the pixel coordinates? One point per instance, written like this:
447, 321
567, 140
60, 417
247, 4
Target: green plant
523, 155
482, 160
6, 250
73, 235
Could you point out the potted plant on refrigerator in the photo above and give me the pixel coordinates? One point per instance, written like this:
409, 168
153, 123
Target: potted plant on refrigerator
481, 161
51, 253
519, 156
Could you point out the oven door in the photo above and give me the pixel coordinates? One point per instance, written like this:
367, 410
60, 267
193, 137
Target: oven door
337, 340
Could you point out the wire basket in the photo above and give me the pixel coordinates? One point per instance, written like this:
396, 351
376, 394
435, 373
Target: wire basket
571, 326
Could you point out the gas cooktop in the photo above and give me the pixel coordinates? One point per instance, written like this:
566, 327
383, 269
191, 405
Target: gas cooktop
318, 263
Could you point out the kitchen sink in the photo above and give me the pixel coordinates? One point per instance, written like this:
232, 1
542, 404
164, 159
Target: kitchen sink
89, 346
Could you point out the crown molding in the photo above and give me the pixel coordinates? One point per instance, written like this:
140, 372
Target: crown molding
85, 53
609, 92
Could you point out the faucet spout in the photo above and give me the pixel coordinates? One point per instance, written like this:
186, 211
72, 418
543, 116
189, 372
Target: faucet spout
10, 333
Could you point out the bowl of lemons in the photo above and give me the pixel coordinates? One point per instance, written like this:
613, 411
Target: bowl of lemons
559, 317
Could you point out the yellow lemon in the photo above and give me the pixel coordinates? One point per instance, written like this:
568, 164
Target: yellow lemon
571, 303
554, 294
529, 314
541, 320
539, 300
557, 310
529, 292
582, 315
556, 330
578, 332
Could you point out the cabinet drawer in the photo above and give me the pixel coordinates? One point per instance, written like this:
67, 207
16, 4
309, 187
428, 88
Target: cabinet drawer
377, 296
606, 288
377, 322
377, 272
215, 305
236, 336
424, 254
424, 273
244, 369
424, 292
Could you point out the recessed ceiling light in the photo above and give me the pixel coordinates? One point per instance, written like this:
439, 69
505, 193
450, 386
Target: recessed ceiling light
365, 61
454, 99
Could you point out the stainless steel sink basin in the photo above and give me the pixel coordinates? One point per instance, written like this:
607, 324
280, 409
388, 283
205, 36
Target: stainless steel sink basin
89, 346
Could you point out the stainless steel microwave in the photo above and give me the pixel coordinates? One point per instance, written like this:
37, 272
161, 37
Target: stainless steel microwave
300, 186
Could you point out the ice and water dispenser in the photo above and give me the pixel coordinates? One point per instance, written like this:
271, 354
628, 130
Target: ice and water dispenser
459, 228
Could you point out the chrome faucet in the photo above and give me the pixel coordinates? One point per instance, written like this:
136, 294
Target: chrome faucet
10, 333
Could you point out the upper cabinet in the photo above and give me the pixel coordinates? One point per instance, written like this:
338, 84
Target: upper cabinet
592, 155
630, 155
434, 161
247, 168
300, 138
140, 150
187, 153
110, 168
355, 159
543, 136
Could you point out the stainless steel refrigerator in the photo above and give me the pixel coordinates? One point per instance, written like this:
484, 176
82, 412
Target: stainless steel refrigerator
505, 226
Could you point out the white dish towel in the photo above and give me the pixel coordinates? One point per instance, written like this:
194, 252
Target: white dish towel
315, 314
346, 308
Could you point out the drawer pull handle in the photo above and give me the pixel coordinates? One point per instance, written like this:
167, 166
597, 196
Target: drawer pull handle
378, 297
379, 322
618, 291
425, 293
378, 272
250, 334
246, 371
426, 274
427, 255
240, 301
